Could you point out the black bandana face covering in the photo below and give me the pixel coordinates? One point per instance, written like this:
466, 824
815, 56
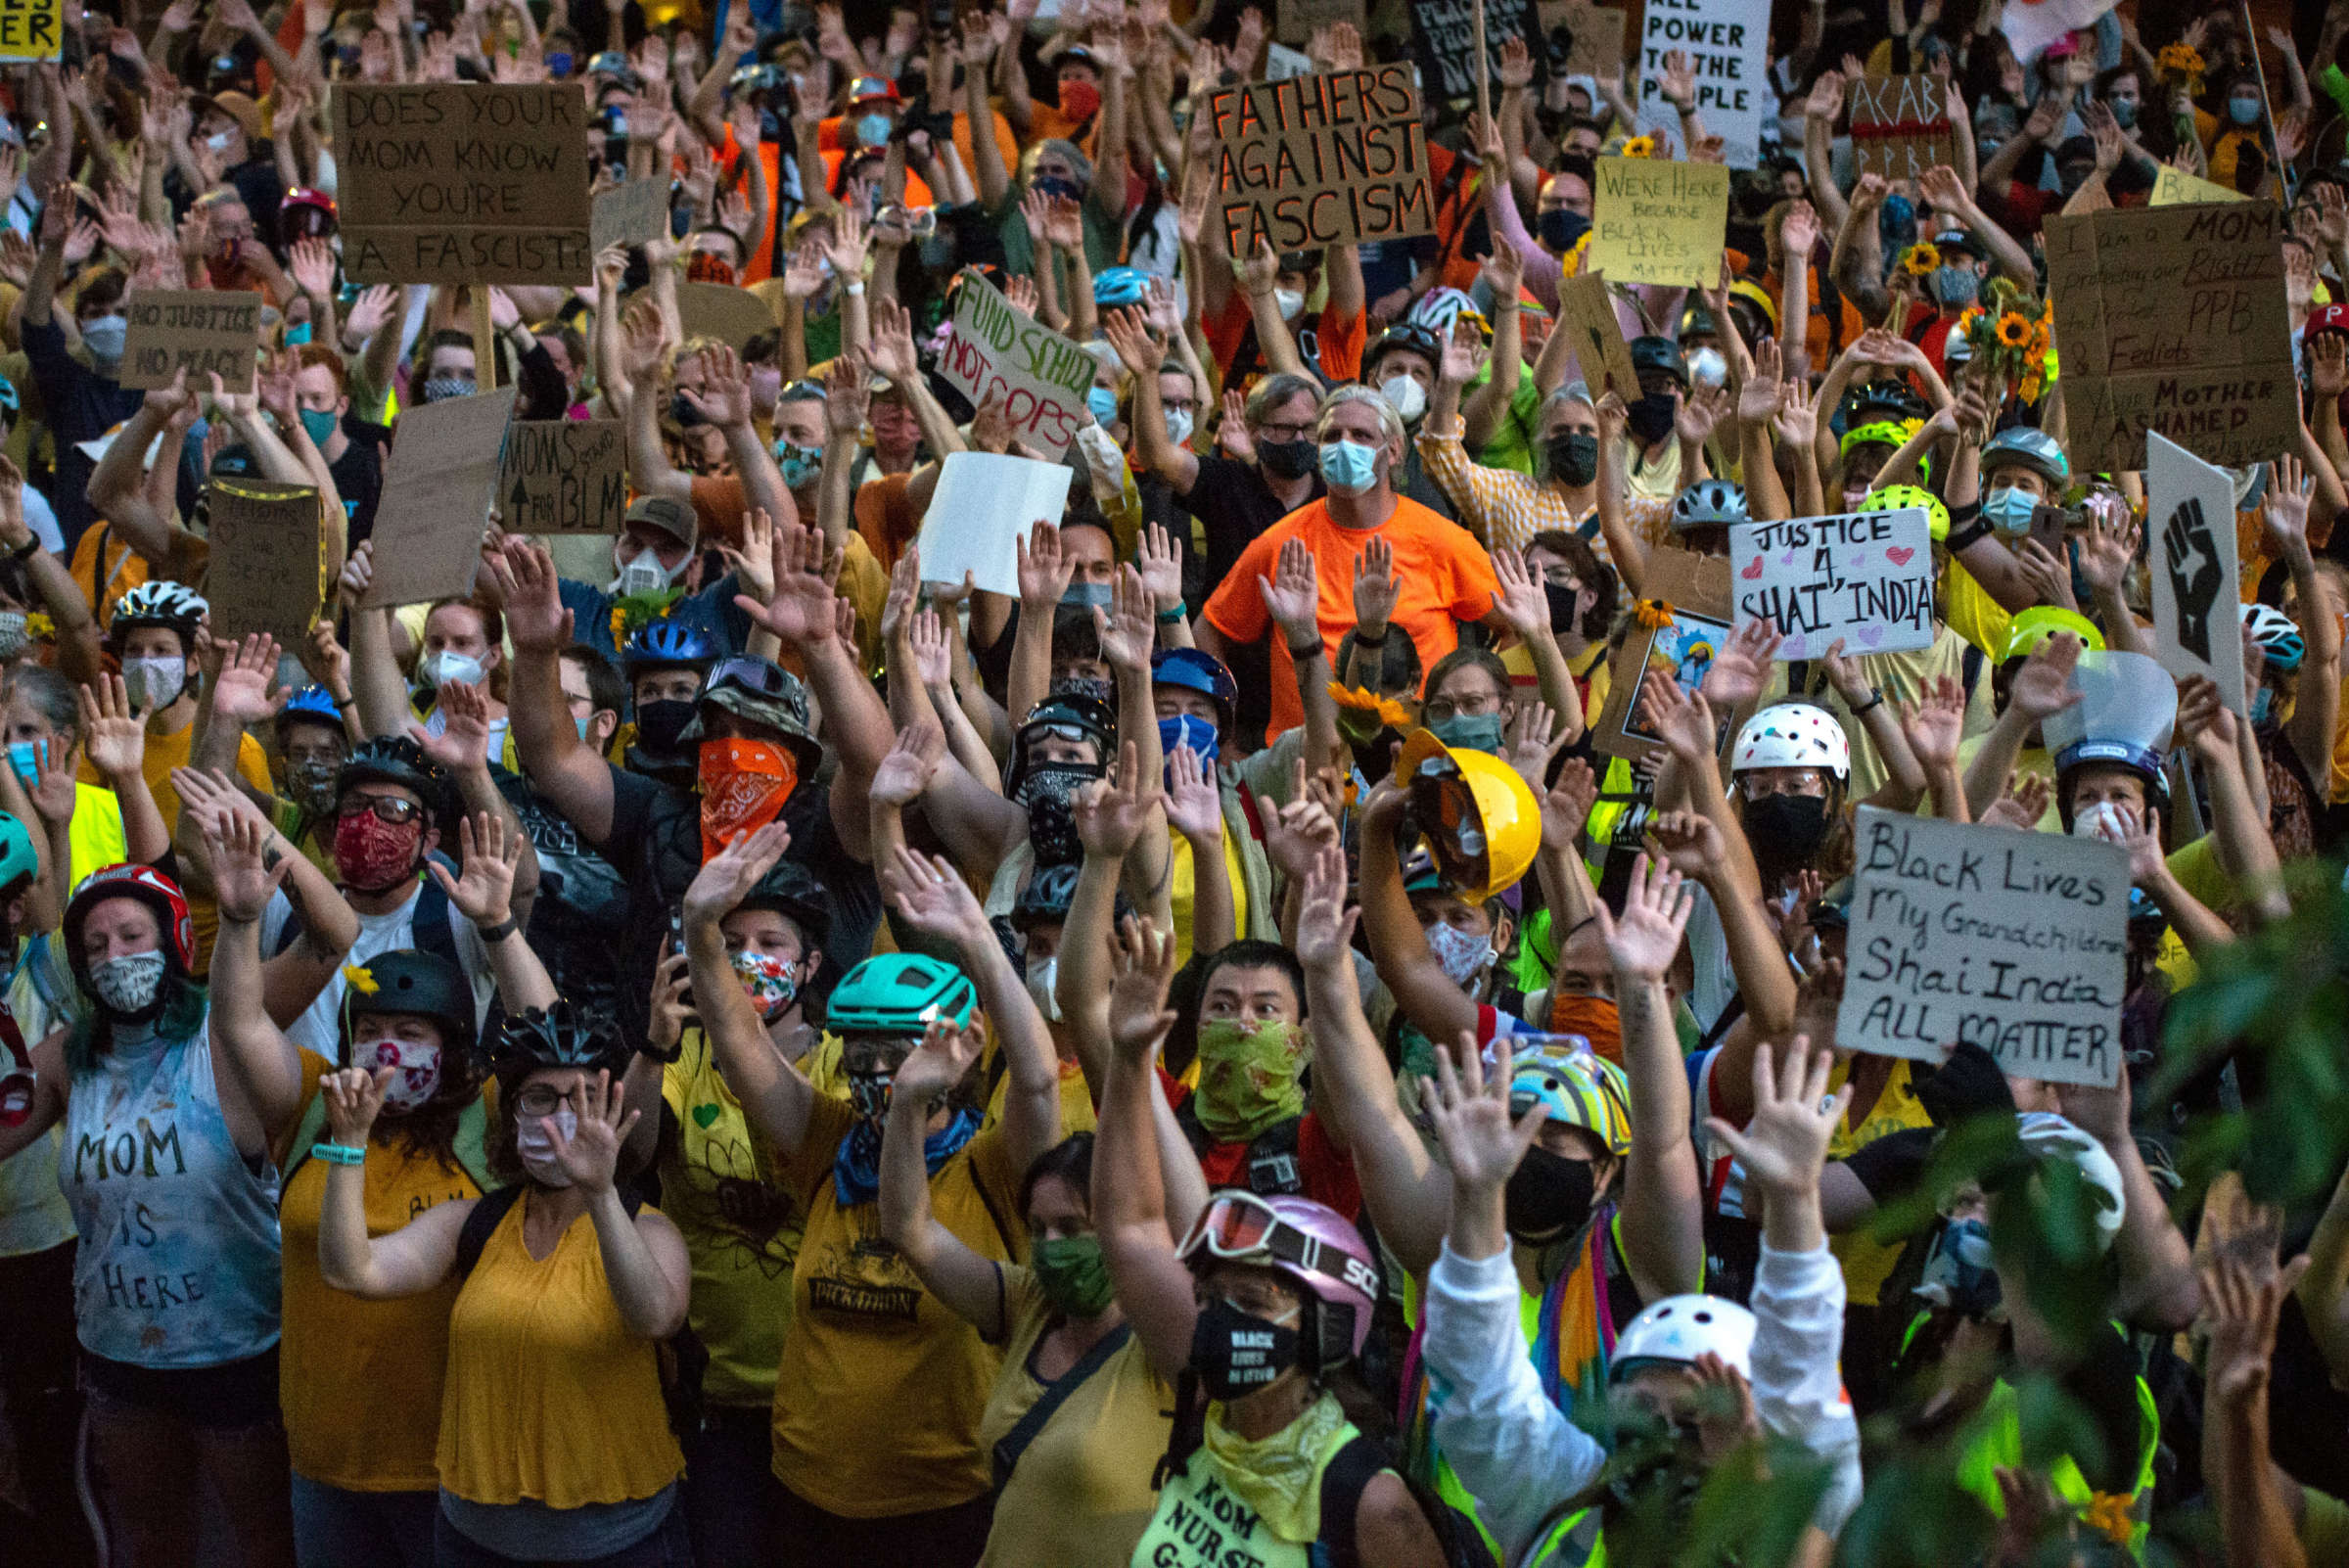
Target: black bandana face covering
1049, 794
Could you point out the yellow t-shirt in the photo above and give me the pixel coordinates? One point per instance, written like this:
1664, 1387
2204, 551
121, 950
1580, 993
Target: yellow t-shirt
2324, 1527
1968, 610
741, 1230
360, 1381
881, 1385
1183, 890
95, 836
1080, 1493
1867, 1261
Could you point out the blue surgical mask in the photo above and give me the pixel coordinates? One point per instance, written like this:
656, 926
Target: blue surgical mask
1473, 732
1348, 468
2243, 111
559, 62
583, 725
320, 424
105, 336
26, 757
298, 334
2124, 113
799, 464
1103, 402
872, 129
2009, 510
1187, 729
1956, 286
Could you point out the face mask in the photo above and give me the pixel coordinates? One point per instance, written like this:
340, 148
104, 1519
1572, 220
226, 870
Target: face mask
1405, 395
1548, 1196
105, 336
217, 141
773, 982
298, 334
415, 1069
536, 1145
1100, 690
2009, 510
26, 757
1560, 229
153, 683
1084, 597
1069, 1270
1043, 981
2124, 113
1247, 1078
683, 412
440, 389
1460, 955
1651, 417
1187, 729
1707, 367
2262, 701
1349, 469
2103, 821
1787, 830
373, 854
872, 130
1103, 402
320, 424
1591, 1016
126, 985
1956, 286
644, 572
868, 1092
1959, 1271
2243, 111
1235, 1355
1565, 604
1179, 426
444, 668
1286, 460
1046, 793
1080, 100
559, 62
658, 724
1573, 457
1475, 732
801, 464
1290, 302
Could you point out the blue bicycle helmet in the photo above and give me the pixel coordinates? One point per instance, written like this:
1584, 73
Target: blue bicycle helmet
2034, 449
665, 643
312, 702
9, 399
2278, 636
17, 861
1121, 286
1709, 504
1194, 670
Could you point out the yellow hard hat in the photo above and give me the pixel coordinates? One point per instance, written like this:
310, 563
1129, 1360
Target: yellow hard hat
1483, 824
2035, 626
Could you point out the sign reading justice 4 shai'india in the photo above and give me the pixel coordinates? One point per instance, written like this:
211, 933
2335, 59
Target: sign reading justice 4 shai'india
1334, 159
463, 183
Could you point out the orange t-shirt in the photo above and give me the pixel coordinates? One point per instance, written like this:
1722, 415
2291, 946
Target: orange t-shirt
1446, 578
886, 517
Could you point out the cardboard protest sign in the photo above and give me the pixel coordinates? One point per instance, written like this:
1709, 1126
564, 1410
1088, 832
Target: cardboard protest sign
1587, 314
998, 352
1301, 18
2014, 941
1723, 40
272, 562
1597, 31
452, 182
1654, 221
564, 476
1901, 125
1696, 590
437, 492
32, 29
1444, 42
196, 330
1335, 157
1866, 577
2190, 562
720, 311
2174, 186
632, 212
2172, 319
983, 504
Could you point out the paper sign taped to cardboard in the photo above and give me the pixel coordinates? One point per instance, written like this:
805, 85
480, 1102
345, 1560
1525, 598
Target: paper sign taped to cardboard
32, 29
1864, 578
982, 505
1725, 42
437, 492
1000, 352
632, 212
720, 311
1587, 313
1696, 588
2190, 562
201, 330
1901, 125
1444, 43
564, 476
2174, 187
2172, 319
1658, 221
271, 559
1336, 158
2014, 941
456, 182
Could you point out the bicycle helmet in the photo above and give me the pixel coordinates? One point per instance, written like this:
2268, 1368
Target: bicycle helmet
665, 644
1438, 308
17, 859
1073, 716
1893, 432
2046, 1136
1045, 899
409, 981
1580, 1089
561, 1036
150, 887
899, 994
2276, 635
1651, 352
1312, 1244
1792, 735
397, 760
791, 891
1901, 497
2035, 626
307, 214
161, 603
2021, 447
1195, 671
1121, 286
314, 703
1677, 1330
1888, 398
9, 400
1709, 504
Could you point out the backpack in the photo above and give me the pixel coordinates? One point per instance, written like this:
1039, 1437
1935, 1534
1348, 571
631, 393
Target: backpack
429, 930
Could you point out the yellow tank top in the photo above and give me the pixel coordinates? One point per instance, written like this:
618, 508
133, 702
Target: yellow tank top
549, 1396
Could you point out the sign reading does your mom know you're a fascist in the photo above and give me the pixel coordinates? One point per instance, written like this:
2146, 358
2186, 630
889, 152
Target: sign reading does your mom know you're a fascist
1307, 161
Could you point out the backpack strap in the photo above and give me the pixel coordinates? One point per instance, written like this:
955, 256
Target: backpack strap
482, 1224
307, 1131
469, 1145
1014, 1443
1343, 1479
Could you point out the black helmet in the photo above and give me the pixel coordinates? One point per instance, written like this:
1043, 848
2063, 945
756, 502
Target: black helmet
397, 760
1070, 713
790, 891
1886, 395
560, 1035
1651, 352
1046, 897
409, 981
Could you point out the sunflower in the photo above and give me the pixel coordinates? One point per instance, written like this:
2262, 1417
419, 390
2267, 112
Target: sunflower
37, 624
2112, 1513
2180, 60
359, 979
1640, 147
2013, 331
1653, 614
1361, 714
1921, 260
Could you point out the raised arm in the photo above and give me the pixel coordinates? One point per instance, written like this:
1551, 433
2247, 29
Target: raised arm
561, 766
775, 1096
971, 1285
258, 1066
2316, 713
411, 1260
1662, 1229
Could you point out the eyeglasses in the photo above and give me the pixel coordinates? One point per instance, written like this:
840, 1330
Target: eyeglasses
1278, 433
540, 1100
386, 808
1802, 781
1439, 709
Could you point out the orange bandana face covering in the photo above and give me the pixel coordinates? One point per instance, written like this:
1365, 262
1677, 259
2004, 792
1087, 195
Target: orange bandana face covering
744, 784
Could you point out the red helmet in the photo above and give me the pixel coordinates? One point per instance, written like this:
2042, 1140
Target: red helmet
150, 888
305, 214
1312, 1244
2326, 318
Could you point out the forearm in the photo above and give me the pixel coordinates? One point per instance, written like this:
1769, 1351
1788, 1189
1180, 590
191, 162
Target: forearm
1031, 674
347, 1259
652, 1303
1663, 1230
247, 1046
1487, 404
2196, 924
939, 430
1757, 958
1763, 488
1214, 918
1273, 336
375, 677
145, 839
2255, 1522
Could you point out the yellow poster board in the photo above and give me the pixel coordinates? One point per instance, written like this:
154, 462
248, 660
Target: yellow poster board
32, 29
2174, 186
1658, 221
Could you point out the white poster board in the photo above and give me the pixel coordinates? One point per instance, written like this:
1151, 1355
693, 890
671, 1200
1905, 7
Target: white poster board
1864, 577
2014, 942
2190, 562
1725, 41
983, 504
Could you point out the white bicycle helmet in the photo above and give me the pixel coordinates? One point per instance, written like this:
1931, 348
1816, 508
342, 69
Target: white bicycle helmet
2049, 1136
1793, 735
2276, 635
162, 603
1678, 1329
1438, 308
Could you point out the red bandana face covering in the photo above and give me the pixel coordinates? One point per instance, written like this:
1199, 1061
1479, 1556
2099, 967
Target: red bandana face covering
372, 853
744, 784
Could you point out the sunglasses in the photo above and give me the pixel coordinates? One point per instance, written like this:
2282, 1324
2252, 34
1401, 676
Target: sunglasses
386, 808
1242, 1228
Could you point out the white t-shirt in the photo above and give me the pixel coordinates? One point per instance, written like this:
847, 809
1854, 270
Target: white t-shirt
320, 1027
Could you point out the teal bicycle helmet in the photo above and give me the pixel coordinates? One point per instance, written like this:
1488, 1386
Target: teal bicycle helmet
899, 994
17, 861
2034, 449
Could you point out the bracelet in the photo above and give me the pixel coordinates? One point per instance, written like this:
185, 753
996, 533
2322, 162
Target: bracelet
1964, 539
501, 931
1875, 700
1311, 650
337, 1154
25, 551
341, 702
1172, 613
1361, 641
851, 288
664, 1057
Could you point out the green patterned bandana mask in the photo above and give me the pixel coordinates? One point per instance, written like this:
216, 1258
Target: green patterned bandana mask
1069, 1270
1248, 1077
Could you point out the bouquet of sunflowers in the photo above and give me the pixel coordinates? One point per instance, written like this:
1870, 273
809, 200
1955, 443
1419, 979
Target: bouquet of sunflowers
2009, 333
2181, 66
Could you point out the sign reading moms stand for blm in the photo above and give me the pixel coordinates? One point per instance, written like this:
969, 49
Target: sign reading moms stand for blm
271, 561
451, 182
2012, 942
1724, 42
1002, 353
2172, 319
564, 476
1333, 159
196, 330
1866, 577
1656, 222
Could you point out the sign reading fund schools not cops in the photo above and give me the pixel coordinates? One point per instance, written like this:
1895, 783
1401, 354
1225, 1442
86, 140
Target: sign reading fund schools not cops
1002, 352
1333, 159
451, 182
1866, 577
2014, 942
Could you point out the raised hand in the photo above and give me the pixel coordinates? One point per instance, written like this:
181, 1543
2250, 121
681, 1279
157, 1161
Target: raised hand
240, 692
485, 894
931, 897
1785, 1143
2106, 550
2021, 806
1129, 628
1531, 737
1566, 805
112, 738
931, 1068
1296, 833
1292, 595
1111, 813
2043, 687
463, 744
1375, 588
1470, 1115
1324, 921
526, 584
1194, 804
802, 609
590, 1154
354, 1098
246, 866
891, 351
727, 877
1683, 721
1045, 569
1686, 841
2286, 514
1741, 669
1161, 567
1521, 604
1656, 906
908, 768
1935, 722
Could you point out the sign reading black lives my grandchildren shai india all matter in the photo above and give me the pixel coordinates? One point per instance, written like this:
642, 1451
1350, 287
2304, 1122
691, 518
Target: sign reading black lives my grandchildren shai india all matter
1307, 161
2014, 941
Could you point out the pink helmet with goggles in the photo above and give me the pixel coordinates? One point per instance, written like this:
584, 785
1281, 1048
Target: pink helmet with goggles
1309, 1242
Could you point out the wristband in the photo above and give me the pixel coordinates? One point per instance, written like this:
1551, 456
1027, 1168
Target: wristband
501, 932
1361, 641
25, 551
664, 1057
341, 702
1171, 614
1964, 539
853, 288
1311, 650
337, 1154
1875, 700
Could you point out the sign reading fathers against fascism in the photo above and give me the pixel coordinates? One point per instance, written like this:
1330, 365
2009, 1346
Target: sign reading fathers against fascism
1654, 221
1002, 353
2172, 319
446, 182
1866, 577
2014, 941
1723, 40
195, 329
564, 476
32, 29
1333, 159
